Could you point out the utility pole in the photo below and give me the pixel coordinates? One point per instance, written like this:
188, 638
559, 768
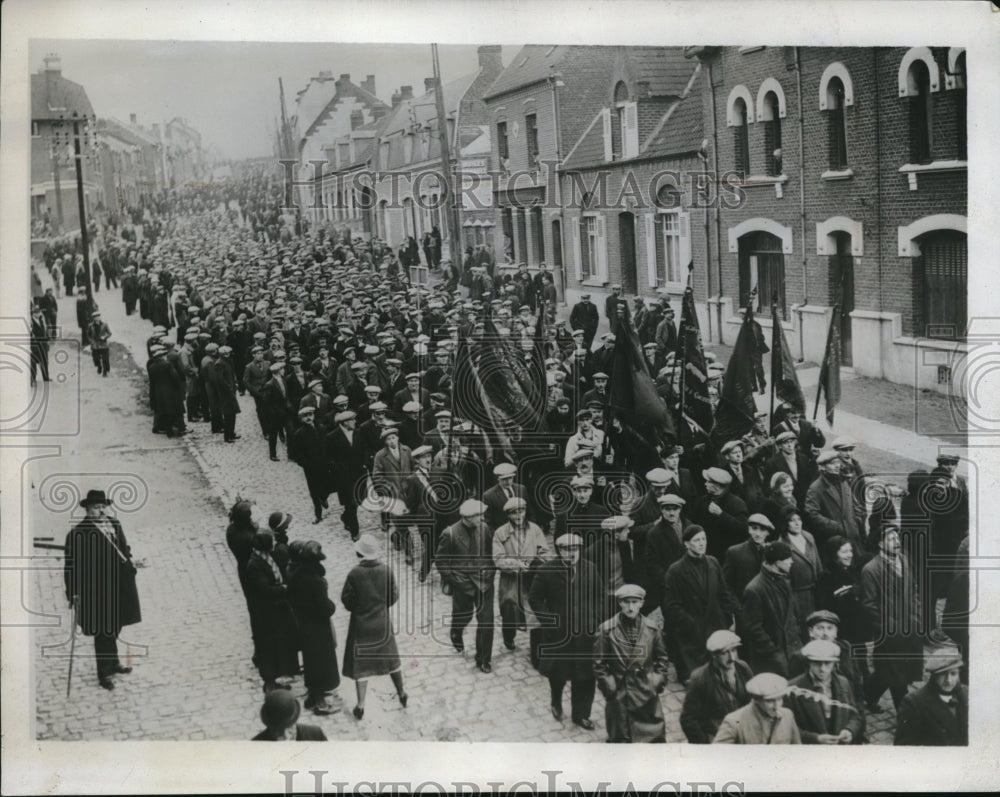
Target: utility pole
448, 197
286, 134
82, 207
55, 179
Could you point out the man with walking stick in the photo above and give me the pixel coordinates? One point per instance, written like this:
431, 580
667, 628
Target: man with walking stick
100, 583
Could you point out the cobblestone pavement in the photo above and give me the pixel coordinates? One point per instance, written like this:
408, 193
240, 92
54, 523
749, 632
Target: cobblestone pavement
193, 678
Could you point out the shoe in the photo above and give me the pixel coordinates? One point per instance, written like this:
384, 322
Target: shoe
235, 437
584, 723
325, 504
323, 708
557, 712
123, 670
230, 440
317, 520
358, 712
459, 646
509, 645
275, 459
874, 708
486, 667
403, 697
107, 683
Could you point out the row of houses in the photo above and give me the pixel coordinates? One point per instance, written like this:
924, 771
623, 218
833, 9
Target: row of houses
122, 161
831, 180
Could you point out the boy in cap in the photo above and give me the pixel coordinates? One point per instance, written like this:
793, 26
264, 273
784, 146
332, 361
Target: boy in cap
465, 561
764, 720
716, 689
98, 334
722, 514
823, 701
280, 714
630, 663
769, 619
937, 714
309, 446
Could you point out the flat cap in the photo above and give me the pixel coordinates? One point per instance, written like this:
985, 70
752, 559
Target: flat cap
421, 451
347, 415
767, 685
411, 406
717, 476
948, 659
758, 519
731, 445
822, 616
658, 476
827, 456
378, 406
617, 523
582, 453
515, 503
601, 375
581, 481
504, 469
630, 591
669, 499
388, 431
472, 508
275, 367
785, 435
722, 640
821, 650
569, 541
303, 411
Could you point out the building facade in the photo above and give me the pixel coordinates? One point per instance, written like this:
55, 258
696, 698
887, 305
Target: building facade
851, 168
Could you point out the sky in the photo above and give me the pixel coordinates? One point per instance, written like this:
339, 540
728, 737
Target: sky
228, 91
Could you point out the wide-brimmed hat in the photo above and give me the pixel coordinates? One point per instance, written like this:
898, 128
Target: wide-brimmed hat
278, 521
96, 497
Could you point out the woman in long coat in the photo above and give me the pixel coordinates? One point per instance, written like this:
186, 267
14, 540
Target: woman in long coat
806, 564
307, 591
696, 601
838, 590
275, 634
567, 597
369, 591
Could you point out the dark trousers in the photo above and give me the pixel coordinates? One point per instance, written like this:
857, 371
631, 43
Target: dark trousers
193, 403
463, 606
102, 359
278, 428
428, 545
40, 360
106, 652
511, 617
317, 482
581, 695
349, 515
229, 425
261, 413
130, 307
877, 683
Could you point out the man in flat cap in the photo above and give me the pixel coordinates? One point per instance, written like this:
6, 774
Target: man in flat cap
830, 505
347, 466
722, 514
223, 376
617, 554
696, 602
823, 701
587, 436
716, 688
519, 546
746, 481
770, 623
584, 317
278, 410
790, 460
499, 494
567, 598
465, 561
98, 335
630, 663
309, 446
937, 714
764, 720
664, 546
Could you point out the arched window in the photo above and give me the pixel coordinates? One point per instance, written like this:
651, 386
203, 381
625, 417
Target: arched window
741, 138
771, 118
762, 265
961, 107
918, 79
618, 128
836, 124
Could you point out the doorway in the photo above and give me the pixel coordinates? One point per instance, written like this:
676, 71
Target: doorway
842, 288
626, 242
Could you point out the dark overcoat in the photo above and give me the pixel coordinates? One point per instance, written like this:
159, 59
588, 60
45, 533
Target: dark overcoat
709, 698
770, 623
569, 605
307, 591
893, 609
102, 577
924, 719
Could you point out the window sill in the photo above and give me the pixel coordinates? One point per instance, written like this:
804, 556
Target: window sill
911, 170
594, 282
778, 181
842, 174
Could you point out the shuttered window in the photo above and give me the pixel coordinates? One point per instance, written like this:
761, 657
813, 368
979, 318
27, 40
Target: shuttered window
762, 264
741, 139
836, 125
942, 271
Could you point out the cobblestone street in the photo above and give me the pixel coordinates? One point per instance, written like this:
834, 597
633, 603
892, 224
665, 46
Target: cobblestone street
193, 645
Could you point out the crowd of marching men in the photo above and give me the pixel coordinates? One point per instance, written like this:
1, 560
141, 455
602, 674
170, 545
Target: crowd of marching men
488, 435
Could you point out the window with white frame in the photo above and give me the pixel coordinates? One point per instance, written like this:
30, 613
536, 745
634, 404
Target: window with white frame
668, 240
590, 247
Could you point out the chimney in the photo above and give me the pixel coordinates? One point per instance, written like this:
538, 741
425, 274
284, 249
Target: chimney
357, 119
490, 57
406, 92
428, 84
53, 64
132, 120
396, 99
325, 74
368, 84
378, 112
344, 79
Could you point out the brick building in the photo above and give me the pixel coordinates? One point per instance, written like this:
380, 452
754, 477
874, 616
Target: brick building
54, 102
129, 158
628, 183
851, 168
